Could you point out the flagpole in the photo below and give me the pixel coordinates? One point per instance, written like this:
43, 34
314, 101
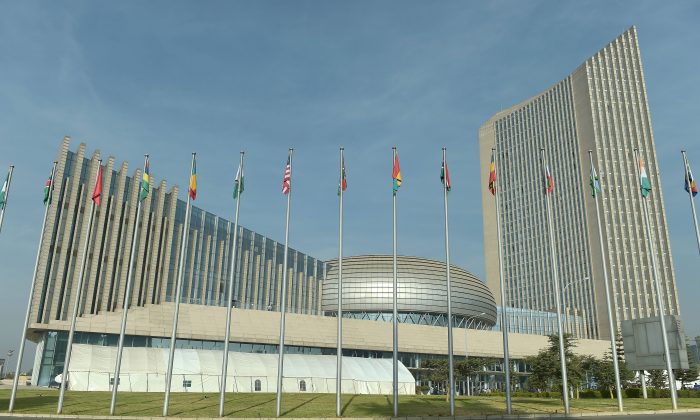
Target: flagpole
178, 293
229, 295
339, 369
555, 277
127, 297
686, 168
613, 345
659, 299
504, 315
450, 358
15, 380
395, 322
76, 305
280, 362
7, 194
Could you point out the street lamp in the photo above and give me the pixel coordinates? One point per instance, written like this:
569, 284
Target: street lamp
563, 294
466, 348
9, 355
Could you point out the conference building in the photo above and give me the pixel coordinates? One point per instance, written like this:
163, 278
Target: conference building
602, 106
310, 341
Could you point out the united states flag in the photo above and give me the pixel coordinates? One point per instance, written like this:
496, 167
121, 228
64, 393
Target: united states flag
287, 178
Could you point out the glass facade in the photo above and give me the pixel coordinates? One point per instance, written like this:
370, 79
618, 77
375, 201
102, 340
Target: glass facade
527, 321
439, 320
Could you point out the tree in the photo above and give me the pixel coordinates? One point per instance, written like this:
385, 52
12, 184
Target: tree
438, 370
470, 366
690, 374
657, 378
546, 366
604, 373
620, 347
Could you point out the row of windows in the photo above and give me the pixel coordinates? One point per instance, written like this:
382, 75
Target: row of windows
549, 120
207, 262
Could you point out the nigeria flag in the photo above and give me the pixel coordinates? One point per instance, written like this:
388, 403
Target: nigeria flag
594, 182
644, 184
238, 186
3, 192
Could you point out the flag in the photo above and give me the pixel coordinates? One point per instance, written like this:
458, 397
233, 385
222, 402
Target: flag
548, 181
645, 185
146, 181
594, 182
3, 192
97, 192
193, 179
47, 191
396, 173
238, 186
445, 176
287, 179
492, 176
343, 184
690, 185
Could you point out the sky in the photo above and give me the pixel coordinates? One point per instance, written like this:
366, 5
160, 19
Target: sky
170, 77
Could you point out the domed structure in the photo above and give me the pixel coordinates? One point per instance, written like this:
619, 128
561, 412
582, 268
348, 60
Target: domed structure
422, 292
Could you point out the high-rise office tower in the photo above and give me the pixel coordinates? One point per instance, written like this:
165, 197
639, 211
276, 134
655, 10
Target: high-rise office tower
601, 106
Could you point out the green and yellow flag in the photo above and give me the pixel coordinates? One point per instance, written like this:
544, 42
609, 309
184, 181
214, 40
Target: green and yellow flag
146, 181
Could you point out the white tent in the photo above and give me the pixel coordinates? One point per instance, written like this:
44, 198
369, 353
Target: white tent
143, 369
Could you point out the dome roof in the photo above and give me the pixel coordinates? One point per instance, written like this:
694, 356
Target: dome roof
422, 288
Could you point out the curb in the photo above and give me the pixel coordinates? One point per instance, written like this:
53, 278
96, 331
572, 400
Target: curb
483, 417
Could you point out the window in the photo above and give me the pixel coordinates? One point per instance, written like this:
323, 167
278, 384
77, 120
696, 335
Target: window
302, 385
186, 383
258, 386
111, 381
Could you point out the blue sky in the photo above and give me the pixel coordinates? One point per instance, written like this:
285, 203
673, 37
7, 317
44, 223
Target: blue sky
217, 77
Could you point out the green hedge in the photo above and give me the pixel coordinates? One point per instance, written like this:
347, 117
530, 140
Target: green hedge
593, 393
657, 393
633, 393
688, 393
533, 394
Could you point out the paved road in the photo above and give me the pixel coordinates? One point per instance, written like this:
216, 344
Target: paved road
674, 416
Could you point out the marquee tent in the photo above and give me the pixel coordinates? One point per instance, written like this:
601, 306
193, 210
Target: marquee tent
195, 370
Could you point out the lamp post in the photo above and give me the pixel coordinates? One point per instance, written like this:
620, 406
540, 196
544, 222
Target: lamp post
466, 342
563, 293
9, 355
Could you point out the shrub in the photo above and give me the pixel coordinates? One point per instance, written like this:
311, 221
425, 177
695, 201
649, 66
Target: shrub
688, 393
550, 394
633, 392
525, 394
591, 393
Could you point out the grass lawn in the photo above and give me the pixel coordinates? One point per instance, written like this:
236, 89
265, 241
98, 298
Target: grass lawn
44, 401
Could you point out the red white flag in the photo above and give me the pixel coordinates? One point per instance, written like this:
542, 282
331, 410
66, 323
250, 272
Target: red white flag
97, 192
287, 179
